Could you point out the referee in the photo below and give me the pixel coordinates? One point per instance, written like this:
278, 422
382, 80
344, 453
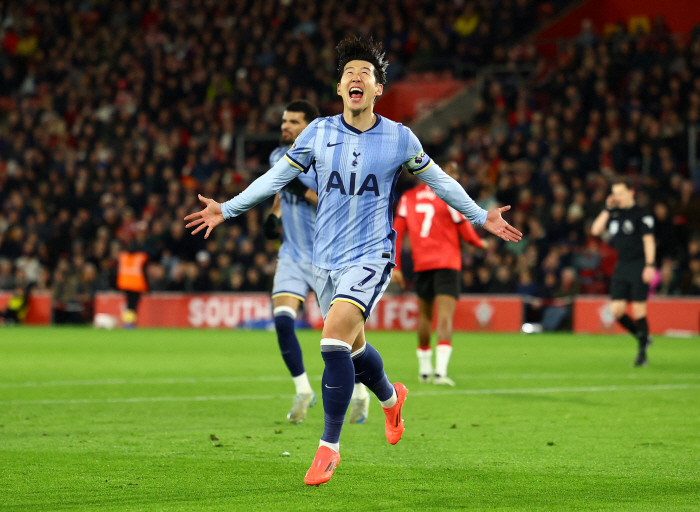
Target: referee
631, 228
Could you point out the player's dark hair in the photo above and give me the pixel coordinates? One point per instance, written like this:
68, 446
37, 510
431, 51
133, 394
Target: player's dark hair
355, 48
309, 110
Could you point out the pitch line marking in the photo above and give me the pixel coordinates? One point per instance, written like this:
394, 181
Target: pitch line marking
224, 398
284, 378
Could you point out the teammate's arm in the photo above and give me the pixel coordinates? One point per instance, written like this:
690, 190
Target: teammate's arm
272, 222
311, 197
601, 221
297, 188
276, 209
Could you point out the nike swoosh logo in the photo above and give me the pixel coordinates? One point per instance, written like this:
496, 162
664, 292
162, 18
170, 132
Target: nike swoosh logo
352, 289
329, 145
334, 387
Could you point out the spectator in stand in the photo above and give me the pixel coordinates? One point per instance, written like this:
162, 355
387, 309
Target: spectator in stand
559, 314
7, 278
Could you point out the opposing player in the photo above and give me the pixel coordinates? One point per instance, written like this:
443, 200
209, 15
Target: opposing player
358, 156
434, 230
632, 230
295, 209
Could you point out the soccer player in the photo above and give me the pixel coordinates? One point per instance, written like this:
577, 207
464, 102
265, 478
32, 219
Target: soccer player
357, 156
632, 230
434, 230
295, 209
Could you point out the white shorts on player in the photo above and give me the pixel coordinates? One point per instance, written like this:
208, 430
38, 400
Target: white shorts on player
293, 279
361, 284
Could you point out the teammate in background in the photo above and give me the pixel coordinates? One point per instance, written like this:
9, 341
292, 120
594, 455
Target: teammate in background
434, 229
632, 230
295, 209
357, 156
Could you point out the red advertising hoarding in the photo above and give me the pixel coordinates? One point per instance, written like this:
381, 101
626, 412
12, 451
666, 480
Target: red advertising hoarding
665, 315
39, 307
228, 310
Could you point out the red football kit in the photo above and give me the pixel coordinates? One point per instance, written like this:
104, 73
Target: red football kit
434, 229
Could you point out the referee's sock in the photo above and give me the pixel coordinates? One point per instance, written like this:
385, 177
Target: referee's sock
629, 324
642, 332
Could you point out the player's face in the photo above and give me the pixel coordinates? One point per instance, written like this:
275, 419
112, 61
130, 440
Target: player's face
358, 86
293, 123
623, 196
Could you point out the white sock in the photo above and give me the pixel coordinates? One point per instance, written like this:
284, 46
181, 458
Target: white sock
425, 361
359, 392
333, 446
442, 358
391, 402
301, 382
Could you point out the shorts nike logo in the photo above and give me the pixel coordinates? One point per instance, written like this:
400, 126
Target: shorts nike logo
329, 145
333, 387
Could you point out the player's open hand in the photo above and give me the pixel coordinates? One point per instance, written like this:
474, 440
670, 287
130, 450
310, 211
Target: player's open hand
397, 278
208, 218
496, 225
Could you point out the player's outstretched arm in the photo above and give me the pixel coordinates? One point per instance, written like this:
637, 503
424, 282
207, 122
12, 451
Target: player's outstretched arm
265, 186
453, 194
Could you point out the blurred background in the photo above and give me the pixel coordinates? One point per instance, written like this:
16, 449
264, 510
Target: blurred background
114, 115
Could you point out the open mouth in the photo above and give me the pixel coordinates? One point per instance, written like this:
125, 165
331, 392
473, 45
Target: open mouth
356, 93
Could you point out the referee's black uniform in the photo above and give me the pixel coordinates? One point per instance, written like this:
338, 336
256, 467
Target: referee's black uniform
627, 226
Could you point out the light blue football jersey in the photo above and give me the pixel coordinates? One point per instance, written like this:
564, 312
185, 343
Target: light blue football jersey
356, 172
298, 217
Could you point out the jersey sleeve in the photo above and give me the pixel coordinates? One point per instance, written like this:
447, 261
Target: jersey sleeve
301, 154
646, 224
416, 160
265, 186
453, 194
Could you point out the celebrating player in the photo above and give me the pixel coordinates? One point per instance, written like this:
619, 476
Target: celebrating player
295, 209
632, 231
434, 229
357, 156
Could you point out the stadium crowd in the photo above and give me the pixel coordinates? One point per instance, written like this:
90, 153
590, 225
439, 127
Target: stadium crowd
115, 113
620, 106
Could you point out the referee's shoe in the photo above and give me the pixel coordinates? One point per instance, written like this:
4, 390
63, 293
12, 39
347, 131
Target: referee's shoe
644, 344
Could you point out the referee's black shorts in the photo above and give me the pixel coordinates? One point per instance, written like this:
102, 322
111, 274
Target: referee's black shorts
626, 283
441, 281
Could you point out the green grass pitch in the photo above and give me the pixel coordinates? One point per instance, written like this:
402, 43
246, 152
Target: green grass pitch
122, 420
